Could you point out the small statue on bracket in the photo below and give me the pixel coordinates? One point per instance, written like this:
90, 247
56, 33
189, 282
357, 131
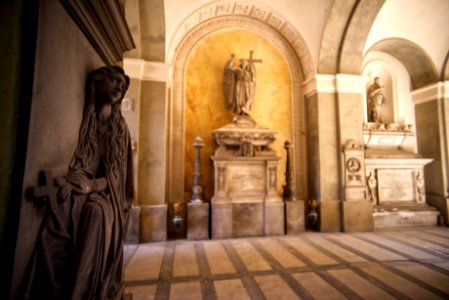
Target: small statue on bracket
376, 100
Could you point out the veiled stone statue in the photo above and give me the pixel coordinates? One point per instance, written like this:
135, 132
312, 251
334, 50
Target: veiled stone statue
239, 84
79, 253
376, 100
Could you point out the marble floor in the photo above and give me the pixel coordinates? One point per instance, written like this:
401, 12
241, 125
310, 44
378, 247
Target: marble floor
410, 263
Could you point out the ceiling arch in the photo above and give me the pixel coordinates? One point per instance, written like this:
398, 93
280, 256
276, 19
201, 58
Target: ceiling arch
445, 69
258, 13
418, 64
345, 35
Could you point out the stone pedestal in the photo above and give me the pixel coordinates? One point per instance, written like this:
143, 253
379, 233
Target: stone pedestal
357, 216
132, 232
246, 201
198, 221
153, 223
294, 217
274, 221
356, 209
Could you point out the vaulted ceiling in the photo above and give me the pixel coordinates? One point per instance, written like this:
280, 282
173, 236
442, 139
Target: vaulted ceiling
338, 33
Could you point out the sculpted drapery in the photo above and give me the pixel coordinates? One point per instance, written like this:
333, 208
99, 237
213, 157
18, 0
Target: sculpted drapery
239, 84
79, 254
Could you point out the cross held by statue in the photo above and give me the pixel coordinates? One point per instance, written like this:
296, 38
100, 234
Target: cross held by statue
251, 60
48, 191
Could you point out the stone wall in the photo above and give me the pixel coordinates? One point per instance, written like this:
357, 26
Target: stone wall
63, 59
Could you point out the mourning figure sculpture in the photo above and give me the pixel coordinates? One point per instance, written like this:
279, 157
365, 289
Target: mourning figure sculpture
79, 253
239, 84
376, 100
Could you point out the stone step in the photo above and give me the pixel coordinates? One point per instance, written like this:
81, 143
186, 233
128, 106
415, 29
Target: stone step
404, 214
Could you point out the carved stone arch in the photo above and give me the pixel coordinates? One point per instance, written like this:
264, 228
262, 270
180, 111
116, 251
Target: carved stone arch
418, 64
445, 70
300, 64
345, 34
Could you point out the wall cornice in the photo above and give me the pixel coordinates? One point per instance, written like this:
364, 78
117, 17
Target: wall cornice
431, 92
104, 25
146, 70
339, 83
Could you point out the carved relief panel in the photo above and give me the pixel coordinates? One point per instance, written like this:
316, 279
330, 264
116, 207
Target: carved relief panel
354, 170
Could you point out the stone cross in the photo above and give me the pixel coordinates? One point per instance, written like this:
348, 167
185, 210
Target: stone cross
251, 60
48, 190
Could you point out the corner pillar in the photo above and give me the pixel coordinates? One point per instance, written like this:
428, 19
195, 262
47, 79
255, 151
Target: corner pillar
152, 117
432, 117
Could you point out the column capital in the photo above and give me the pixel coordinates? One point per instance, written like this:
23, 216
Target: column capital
338, 83
147, 70
431, 92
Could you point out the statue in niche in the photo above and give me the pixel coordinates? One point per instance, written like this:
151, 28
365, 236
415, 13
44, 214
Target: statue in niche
376, 101
79, 253
239, 84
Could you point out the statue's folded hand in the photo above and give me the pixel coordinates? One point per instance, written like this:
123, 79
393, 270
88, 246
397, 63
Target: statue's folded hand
80, 183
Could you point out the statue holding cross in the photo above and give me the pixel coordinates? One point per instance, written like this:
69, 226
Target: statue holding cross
79, 250
239, 84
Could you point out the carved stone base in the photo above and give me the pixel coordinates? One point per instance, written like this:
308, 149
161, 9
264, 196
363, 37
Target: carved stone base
198, 221
153, 223
294, 217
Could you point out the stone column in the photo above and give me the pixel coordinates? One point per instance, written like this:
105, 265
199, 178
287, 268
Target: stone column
146, 63
151, 107
323, 150
294, 209
357, 211
432, 113
334, 116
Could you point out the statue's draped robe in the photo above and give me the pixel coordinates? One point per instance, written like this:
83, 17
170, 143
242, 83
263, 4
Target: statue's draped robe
79, 254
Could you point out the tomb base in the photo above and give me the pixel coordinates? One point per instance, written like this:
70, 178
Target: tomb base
234, 220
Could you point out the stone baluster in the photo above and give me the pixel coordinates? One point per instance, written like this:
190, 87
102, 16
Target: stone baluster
289, 187
197, 188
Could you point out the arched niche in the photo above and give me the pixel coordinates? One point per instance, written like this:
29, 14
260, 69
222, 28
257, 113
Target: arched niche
289, 44
419, 65
395, 78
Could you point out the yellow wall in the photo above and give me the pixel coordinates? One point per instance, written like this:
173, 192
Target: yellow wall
205, 108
